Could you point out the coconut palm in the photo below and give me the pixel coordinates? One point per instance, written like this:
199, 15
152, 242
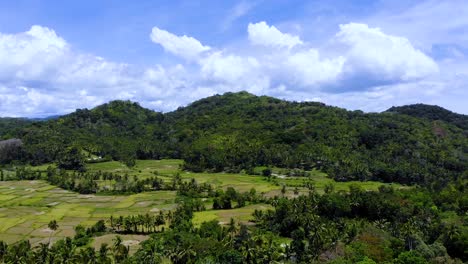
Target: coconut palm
53, 226
41, 253
103, 252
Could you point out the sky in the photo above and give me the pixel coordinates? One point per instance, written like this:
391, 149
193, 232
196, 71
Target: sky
58, 56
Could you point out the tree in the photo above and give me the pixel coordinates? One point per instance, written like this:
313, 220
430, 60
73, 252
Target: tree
3, 250
10, 150
159, 219
120, 251
71, 159
53, 226
410, 257
266, 172
103, 254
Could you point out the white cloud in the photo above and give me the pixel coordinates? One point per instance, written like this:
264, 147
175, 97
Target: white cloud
381, 56
230, 68
308, 69
31, 54
262, 34
41, 75
184, 46
361, 67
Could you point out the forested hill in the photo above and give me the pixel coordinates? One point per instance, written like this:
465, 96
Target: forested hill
432, 112
10, 126
119, 130
238, 131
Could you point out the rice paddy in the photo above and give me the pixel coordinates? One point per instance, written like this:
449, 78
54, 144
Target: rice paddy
26, 207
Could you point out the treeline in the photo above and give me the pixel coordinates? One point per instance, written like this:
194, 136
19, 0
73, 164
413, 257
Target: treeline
139, 224
240, 131
114, 183
64, 251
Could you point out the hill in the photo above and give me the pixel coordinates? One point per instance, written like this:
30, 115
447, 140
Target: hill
239, 131
9, 126
120, 130
432, 112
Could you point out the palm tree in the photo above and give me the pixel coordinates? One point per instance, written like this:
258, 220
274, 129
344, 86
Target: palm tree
160, 219
232, 228
120, 222
41, 253
112, 222
52, 226
103, 251
120, 251
66, 251
148, 220
140, 221
87, 255
283, 190
3, 250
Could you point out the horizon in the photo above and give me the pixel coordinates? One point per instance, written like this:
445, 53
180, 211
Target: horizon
56, 57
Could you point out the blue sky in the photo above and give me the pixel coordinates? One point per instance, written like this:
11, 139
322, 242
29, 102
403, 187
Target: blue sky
56, 56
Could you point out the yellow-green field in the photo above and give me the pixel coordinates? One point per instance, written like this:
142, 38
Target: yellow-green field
243, 214
27, 206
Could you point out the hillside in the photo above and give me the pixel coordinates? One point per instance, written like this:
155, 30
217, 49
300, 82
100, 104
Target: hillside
432, 112
238, 131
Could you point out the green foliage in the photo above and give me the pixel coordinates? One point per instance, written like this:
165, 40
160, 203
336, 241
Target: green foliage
71, 159
410, 257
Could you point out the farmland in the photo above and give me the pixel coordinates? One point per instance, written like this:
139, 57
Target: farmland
27, 206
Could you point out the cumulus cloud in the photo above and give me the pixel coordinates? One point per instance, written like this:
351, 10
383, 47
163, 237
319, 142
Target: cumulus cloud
382, 58
30, 55
41, 74
308, 69
184, 46
263, 34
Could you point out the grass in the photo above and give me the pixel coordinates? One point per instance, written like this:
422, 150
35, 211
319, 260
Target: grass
242, 215
321, 180
241, 182
142, 168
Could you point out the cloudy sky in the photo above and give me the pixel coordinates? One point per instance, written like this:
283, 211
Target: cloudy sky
56, 56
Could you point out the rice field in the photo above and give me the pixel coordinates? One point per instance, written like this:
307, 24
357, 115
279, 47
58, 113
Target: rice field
26, 207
